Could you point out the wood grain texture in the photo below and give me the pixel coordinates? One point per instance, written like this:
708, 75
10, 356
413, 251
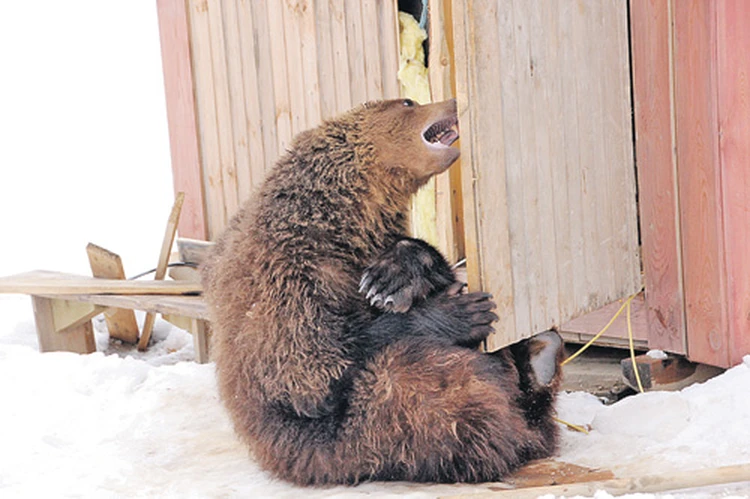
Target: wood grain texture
370, 40
356, 51
699, 180
657, 173
264, 71
121, 323
184, 306
207, 111
583, 328
161, 266
251, 81
292, 12
276, 44
683, 479
200, 331
227, 166
388, 31
733, 67
448, 200
43, 282
554, 222
266, 95
237, 174
485, 211
79, 339
181, 115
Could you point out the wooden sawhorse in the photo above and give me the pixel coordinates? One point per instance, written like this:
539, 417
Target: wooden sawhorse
64, 305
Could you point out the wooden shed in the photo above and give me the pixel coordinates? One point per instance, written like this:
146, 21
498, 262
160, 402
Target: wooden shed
605, 144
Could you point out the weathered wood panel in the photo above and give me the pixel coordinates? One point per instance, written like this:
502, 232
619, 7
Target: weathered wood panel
265, 71
699, 180
544, 98
651, 24
181, 114
733, 66
448, 195
478, 92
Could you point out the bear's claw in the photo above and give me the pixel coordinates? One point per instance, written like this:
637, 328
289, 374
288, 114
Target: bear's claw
407, 273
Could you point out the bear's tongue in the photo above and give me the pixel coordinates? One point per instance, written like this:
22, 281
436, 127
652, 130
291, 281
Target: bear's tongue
448, 137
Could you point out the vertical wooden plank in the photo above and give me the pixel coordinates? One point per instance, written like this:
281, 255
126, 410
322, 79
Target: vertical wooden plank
617, 231
577, 289
309, 69
699, 180
514, 88
733, 30
200, 331
291, 17
276, 39
371, 42
356, 52
484, 188
181, 115
543, 247
556, 203
651, 26
586, 55
253, 98
608, 140
339, 40
326, 69
618, 138
529, 195
200, 46
236, 104
273, 139
449, 218
227, 167
388, 26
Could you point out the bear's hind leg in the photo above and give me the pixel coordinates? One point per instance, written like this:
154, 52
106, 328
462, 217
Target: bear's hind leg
538, 362
545, 350
424, 411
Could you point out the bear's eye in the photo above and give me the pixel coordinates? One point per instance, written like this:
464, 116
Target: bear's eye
408, 103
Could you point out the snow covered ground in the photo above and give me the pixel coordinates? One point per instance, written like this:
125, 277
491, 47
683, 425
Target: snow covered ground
85, 158
122, 424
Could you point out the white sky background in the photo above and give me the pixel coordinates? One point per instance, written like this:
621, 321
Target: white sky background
84, 148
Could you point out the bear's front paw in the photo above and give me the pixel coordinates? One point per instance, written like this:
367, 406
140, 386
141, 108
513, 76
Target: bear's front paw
473, 311
407, 273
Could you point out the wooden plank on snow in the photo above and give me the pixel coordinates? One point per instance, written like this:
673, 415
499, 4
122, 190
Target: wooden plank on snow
42, 282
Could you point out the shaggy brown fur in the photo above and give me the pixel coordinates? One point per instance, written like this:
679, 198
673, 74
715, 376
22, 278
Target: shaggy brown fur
327, 388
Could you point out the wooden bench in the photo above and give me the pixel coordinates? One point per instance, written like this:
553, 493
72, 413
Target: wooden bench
64, 305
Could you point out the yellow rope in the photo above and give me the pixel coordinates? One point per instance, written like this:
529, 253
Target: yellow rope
604, 329
632, 351
625, 306
572, 426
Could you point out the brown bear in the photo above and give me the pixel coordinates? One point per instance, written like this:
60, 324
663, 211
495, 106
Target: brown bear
345, 350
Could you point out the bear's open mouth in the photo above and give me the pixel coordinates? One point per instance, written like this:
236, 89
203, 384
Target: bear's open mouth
442, 133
